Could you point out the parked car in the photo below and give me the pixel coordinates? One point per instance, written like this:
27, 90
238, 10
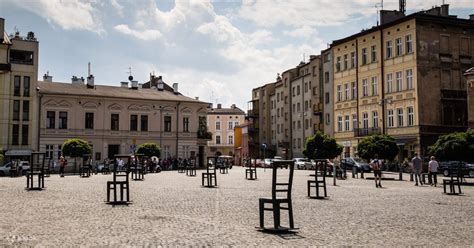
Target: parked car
446, 167
359, 163
5, 169
302, 163
268, 163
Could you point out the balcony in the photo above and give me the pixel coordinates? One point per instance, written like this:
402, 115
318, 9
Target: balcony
361, 132
5, 67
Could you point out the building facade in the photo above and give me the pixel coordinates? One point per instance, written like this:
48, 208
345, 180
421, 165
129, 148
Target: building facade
469, 74
18, 77
221, 123
114, 120
403, 78
326, 84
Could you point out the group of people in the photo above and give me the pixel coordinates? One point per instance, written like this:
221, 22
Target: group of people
417, 167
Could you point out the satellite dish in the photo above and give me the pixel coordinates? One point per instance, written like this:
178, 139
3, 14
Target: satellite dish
130, 77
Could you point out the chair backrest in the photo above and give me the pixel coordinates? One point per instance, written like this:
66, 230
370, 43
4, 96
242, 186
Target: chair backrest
37, 160
457, 171
284, 187
321, 167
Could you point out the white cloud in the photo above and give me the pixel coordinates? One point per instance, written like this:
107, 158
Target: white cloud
117, 6
69, 15
302, 32
148, 34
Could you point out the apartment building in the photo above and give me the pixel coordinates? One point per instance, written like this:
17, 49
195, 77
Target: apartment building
221, 123
469, 75
116, 119
259, 118
403, 78
18, 76
326, 84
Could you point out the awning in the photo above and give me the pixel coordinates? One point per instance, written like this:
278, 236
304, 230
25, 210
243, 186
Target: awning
18, 153
403, 141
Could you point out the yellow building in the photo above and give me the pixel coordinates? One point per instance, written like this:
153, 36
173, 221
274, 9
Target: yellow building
18, 76
402, 78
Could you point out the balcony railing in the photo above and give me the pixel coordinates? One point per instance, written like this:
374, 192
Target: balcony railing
361, 132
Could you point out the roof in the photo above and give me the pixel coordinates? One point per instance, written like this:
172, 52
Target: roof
469, 72
418, 15
225, 111
101, 91
6, 39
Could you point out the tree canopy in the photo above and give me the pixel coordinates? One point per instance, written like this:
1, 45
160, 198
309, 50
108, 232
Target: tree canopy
76, 148
456, 146
149, 149
321, 146
1, 156
382, 145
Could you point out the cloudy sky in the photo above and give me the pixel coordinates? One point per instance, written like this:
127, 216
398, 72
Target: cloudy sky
215, 49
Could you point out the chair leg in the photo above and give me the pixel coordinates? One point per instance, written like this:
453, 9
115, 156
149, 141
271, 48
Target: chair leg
262, 213
290, 214
459, 187
276, 215
325, 191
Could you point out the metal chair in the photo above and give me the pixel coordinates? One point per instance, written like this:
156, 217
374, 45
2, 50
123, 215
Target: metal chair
36, 170
319, 179
209, 178
281, 195
456, 176
251, 172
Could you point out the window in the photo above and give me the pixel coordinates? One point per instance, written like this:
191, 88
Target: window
347, 122
375, 119
411, 116
354, 121
339, 93
389, 82
389, 49
168, 123
328, 118
399, 81
49, 151
326, 97
298, 107
186, 124
230, 140
133, 122
59, 151
339, 123
26, 110
400, 117
408, 44
346, 89
15, 134
390, 118
338, 64
373, 52
231, 125
306, 106
346, 62
365, 120
218, 139
398, 43
24, 135
353, 59
16, 110
144, 123
409, 75
326, 77
299, 124
89, 123
114, 122
365, 87
50, 119
62, 120
364, 56
299, 142
98, 156
374, 86
306, 124
305, 87
16, 86
354, 90
298, 90
26, 86
218, 125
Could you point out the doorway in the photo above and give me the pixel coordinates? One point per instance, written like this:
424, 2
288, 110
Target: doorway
112, 151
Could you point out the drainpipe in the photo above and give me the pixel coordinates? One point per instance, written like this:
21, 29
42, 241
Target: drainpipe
177, 128
39, 119
382, 81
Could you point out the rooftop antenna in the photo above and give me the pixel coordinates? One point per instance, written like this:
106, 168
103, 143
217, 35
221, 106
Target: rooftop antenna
403, 4
130, 77
88, 68
377, 5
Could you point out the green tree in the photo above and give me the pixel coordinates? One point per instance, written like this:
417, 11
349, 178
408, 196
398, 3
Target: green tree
321, 146
76, 148
382, 145
1, 156
456, 146
149, 149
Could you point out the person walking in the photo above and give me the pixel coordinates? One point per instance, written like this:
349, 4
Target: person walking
433, 171
62, 165
417, 166
377, 167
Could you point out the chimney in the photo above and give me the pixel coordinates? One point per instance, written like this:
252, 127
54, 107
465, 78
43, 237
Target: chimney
2, 29
197, 98
219, 106
124, 84
232, 106
445, 10
175, 88
471, 17
160, 85
76, 80
47, 77
134, 85
90, 81
311, 57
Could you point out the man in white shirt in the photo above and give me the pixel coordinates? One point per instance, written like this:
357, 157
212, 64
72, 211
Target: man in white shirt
433, 171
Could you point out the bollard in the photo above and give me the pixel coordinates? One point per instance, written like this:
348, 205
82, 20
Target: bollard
400, 176
411, 177
362, 174
354, 172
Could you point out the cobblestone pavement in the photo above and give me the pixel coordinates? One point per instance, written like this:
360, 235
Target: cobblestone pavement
171, 209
